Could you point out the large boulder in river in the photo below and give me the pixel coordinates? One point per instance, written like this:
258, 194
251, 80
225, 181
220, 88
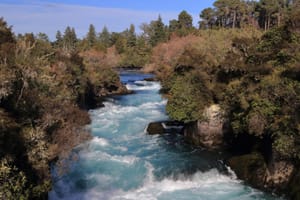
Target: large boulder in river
155, 128
164, 127
209, 132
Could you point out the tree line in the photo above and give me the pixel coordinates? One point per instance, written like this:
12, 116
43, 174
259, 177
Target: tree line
263, 14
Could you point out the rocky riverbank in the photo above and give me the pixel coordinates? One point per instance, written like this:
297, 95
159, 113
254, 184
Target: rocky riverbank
252, 158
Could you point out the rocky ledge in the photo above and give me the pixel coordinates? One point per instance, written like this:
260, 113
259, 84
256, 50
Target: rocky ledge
163, 127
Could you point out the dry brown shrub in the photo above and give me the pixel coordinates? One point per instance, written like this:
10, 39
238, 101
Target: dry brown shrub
211, 45
108, 59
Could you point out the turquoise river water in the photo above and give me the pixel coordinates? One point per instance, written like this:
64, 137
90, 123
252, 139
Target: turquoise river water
122, 162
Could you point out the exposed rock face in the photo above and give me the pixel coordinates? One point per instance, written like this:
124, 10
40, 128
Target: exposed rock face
253, 169
208, 132
250, 168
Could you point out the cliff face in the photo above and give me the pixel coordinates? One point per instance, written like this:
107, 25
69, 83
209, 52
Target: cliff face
208, 132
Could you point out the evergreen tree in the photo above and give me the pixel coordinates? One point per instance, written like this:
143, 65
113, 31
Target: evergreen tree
131, 38
7, 43
185, 20
157, 32
69, 39
104, 37
91, 36
208, 18
59, 38
173, 25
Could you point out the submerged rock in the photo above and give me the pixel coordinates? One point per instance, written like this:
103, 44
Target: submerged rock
208, 132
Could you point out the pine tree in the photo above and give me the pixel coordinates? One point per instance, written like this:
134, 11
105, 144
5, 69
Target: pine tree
157, 32
91, 36
131, 39
185, 20
104, 37
185, 23
59, 39
208, 18
69, 39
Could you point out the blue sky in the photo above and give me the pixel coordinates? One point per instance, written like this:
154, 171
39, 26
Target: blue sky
52, 15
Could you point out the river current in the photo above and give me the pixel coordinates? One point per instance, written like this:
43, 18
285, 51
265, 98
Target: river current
122, 162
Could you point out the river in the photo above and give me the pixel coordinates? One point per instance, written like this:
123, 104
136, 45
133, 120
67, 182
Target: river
122, 162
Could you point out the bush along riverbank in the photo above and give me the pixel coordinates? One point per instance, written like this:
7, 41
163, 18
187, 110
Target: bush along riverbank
246, 100
45, 91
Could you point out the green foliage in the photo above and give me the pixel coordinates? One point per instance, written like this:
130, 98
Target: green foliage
188, 97
285, 146
13, 182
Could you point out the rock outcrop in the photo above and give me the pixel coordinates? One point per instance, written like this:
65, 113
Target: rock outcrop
209, 132
253, 169
162, 127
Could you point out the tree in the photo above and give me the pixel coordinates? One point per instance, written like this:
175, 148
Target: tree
185, 20
271, 12
104, 37
43, 37
237, 11
222, 12
208, 17
91, 36
69, 39
173, 25
131, 36
155, 32
230, 12
7, 43
59, 39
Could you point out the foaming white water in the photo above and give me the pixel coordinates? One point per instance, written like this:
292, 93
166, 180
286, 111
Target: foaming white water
209, 185
100, 141
103, 156
144, 85
114, 111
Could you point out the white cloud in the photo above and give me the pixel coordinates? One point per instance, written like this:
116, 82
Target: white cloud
49, 18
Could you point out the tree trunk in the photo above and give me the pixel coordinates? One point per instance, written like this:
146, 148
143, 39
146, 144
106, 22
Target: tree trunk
265, 23
234, 19
269, 21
